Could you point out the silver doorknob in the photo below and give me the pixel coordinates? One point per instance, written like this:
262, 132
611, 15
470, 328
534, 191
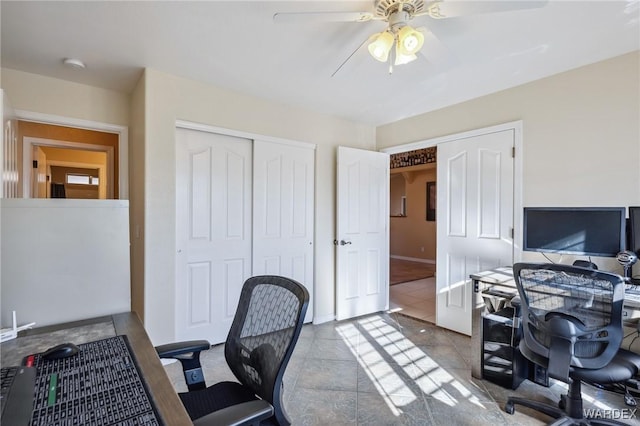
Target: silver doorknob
343, 242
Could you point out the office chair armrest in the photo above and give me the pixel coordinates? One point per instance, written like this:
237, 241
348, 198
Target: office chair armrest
174, 350
252, 412
188, 353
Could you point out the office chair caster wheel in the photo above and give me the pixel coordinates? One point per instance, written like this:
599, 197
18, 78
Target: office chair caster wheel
509, 407
562, 404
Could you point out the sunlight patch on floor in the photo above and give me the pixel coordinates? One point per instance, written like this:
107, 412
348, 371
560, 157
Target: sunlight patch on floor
412, 371
384, 378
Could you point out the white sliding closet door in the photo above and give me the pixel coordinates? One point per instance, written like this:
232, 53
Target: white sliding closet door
213, 231
283, 207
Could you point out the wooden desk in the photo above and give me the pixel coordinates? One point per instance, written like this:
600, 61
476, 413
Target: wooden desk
162, 392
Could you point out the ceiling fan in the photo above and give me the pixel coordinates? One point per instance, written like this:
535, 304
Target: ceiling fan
408, 41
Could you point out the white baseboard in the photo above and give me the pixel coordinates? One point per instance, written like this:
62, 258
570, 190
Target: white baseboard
414, 259
323, 319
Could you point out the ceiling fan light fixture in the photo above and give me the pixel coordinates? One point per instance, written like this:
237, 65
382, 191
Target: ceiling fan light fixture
410, 41
401, 58
381, 46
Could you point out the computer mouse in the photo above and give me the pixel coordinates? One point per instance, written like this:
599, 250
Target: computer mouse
63, 350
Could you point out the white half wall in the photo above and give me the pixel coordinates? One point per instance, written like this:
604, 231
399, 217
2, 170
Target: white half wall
64, 260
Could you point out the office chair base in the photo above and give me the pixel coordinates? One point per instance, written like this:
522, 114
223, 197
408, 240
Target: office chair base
562, 419
547, 409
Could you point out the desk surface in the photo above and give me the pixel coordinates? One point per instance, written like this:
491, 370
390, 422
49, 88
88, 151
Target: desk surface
504, 277
164, 396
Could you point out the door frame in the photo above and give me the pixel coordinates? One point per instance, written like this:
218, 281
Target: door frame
121, 131
517, 127
102, 170
28, 143
190, 125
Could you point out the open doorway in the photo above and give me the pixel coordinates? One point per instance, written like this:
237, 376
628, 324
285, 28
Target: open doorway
65, 162
59, 172
412, 262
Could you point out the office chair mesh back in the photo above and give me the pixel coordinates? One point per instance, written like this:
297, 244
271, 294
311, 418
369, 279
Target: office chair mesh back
264, 331
572, 327
574, 307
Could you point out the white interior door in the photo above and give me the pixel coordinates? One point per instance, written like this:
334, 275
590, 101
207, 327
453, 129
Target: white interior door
213, 231
283, 211
475, 218
362, 250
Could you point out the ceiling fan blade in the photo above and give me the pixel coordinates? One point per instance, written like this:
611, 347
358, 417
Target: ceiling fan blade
457, 8
435, 51
307, 17
365, 42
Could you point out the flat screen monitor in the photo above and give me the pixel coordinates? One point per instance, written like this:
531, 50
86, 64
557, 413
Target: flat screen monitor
634, 230
586, 231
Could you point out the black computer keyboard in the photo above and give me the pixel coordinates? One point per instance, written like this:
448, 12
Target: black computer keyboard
632, 292
98, 386
17, 395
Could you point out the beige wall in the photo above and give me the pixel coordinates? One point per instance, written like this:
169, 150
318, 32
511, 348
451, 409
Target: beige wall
46, 95
396, 192
413, 236
581, 132
169, 98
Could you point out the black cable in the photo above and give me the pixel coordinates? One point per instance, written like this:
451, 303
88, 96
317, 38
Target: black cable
634, 339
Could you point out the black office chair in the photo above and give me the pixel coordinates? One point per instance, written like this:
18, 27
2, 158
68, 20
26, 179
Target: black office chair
263, 334
572, 326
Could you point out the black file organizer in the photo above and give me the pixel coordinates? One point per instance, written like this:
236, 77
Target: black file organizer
502, 362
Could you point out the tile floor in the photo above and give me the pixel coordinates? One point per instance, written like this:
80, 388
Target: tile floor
415, 298
389, 369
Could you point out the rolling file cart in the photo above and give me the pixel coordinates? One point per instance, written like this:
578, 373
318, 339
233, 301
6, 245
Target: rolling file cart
502, 362
498, 333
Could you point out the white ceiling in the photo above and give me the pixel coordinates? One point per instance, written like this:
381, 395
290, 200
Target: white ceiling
237, 45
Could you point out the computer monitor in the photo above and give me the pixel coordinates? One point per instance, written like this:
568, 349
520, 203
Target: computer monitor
586, 231
634, 230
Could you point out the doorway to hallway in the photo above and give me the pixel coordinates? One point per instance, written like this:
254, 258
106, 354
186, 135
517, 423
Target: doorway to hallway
413, 233
412, 289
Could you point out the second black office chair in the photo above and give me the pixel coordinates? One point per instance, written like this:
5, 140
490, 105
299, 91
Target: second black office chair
572, 326
262, 337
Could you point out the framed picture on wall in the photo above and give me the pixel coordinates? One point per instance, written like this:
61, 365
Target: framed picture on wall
431, 201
